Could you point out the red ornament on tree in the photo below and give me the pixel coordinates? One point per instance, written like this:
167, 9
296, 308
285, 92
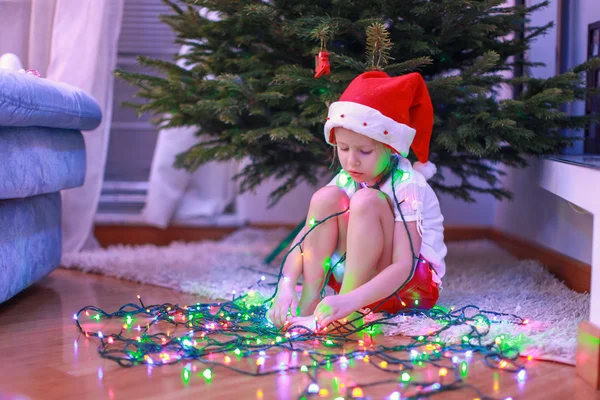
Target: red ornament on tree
322, 66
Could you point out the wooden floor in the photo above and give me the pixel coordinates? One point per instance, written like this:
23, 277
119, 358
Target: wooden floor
43, 356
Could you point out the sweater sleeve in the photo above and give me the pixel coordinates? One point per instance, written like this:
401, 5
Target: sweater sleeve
410, 199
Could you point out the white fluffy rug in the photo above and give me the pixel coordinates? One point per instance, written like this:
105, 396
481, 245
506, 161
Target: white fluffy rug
478, 273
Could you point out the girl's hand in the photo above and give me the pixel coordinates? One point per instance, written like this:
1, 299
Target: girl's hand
286, 299
333, 308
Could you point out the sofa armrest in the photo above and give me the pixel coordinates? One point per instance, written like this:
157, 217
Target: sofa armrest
26, 100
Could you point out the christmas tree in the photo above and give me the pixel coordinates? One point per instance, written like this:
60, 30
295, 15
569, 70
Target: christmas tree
249, 84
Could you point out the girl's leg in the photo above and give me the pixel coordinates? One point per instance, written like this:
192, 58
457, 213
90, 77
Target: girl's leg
320, 244
369, 245
370, 238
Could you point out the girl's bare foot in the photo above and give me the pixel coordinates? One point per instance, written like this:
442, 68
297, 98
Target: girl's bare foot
348, 325
300, 323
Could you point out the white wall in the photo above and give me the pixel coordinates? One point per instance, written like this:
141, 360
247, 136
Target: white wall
543, 49
294, 206
583, 13
291, 209
536, 214
456, 212
542, 217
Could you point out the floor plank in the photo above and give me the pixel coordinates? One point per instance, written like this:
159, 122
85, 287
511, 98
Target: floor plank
45, 357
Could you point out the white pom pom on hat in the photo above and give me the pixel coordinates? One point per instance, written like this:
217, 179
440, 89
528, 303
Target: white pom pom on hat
395, 111
427, 170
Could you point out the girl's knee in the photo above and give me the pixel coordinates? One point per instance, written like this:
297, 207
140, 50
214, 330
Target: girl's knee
367, 200
330, 198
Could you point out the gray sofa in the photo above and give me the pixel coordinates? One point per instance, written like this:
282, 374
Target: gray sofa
42, 152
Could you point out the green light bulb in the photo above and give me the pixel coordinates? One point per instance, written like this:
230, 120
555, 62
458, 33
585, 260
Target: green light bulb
464, 369
343, 179
207, 374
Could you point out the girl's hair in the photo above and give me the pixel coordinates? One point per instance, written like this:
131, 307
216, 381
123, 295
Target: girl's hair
335, 162
386, 149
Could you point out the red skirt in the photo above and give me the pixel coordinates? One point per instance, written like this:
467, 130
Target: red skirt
421, 287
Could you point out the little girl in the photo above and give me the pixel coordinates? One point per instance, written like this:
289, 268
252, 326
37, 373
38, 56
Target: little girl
388, 223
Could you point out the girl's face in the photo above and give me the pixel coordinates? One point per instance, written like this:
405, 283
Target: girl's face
363, 158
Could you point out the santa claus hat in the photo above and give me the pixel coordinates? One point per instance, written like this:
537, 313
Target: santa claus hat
395, 111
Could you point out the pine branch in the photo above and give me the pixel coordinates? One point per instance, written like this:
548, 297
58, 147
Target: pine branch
409, 66
379, 46
348, 62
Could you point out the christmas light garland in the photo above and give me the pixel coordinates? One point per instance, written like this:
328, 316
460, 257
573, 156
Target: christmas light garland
238, 329
220, 334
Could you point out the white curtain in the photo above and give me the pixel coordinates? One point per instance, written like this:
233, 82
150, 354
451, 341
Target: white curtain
71, 41
175, 194
27, 31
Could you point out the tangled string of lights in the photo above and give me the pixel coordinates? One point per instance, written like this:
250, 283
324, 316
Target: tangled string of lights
225, 335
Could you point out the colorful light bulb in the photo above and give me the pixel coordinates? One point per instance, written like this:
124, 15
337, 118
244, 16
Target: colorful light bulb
343, 179
207, 374
464, 368
313, 388
395, 396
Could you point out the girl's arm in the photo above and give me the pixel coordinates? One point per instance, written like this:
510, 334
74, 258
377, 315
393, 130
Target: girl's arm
389, 280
